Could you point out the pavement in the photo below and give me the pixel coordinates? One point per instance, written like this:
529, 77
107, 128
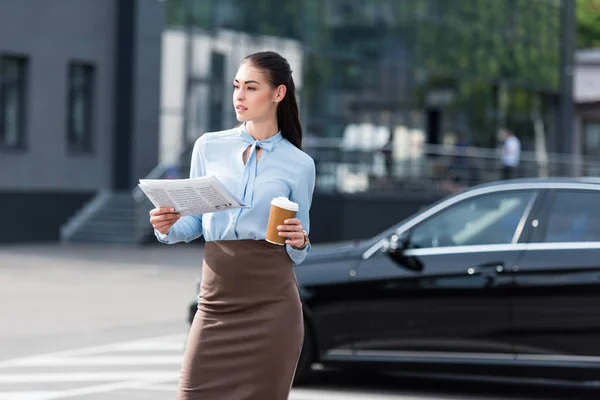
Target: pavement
91, 322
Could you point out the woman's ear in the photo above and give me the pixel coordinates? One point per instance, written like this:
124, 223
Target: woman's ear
280, 93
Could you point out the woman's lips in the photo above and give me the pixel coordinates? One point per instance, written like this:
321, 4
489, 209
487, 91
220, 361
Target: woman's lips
240, 108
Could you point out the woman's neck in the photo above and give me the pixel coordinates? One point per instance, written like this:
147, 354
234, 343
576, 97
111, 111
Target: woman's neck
262, 130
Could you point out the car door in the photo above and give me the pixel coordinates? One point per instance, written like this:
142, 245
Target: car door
323, 287
557, 297
446, 294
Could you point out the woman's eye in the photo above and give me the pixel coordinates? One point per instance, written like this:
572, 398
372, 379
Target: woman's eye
236, 87
251, 88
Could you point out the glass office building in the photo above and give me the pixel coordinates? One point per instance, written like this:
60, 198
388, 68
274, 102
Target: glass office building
406, 73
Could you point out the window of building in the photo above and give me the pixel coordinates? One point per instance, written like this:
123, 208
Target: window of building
591, 137
13, 73
80, 107
217, 95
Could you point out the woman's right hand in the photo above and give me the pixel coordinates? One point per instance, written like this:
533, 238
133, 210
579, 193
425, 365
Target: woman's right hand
163, 218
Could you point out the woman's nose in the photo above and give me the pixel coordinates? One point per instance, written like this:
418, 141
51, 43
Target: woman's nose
239, 95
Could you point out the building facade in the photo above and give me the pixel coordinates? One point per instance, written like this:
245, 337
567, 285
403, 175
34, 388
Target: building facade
197, 71
83, 108
79, 106
399, 78
587, 98
440, 66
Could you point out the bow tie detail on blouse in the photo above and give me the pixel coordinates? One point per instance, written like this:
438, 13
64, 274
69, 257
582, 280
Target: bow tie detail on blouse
266, 144
245, 187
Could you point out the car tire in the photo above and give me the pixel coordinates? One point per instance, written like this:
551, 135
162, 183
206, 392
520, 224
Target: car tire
307, 357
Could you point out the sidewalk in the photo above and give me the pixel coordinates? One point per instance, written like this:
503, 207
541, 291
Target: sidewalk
56, 297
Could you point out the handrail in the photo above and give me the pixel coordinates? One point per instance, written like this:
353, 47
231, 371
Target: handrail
444, 150
389, 168
68, 229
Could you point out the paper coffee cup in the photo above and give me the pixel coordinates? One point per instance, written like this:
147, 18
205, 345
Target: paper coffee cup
281, 209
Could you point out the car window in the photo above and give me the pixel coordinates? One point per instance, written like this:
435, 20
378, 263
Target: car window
574, 217
485, 219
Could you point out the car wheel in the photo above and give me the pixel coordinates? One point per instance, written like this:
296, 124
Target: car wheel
307, 357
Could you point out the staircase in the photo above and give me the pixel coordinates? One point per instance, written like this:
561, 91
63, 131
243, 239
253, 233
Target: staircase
118, 217
111, 217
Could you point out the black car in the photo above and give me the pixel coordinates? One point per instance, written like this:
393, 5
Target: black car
501, 280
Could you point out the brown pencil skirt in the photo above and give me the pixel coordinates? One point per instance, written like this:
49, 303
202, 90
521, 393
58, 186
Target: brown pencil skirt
246, 338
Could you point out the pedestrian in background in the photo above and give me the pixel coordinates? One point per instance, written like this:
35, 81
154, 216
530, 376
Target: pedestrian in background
511, 154
247, 335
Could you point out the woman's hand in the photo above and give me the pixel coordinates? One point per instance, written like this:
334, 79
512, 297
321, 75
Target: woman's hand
162, 219
294, 231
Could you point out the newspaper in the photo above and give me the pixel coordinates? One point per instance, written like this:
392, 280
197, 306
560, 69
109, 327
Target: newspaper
191, 196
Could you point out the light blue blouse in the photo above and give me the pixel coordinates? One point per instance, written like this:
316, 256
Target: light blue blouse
282, 170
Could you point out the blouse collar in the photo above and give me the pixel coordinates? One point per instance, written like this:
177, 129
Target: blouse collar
266, 144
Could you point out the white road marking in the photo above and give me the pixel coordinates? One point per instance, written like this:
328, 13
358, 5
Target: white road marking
311, 394
26, 395
120, 346
165, 350
166, 388
92, 390
152, 345
157, 348
97, 361
66, 377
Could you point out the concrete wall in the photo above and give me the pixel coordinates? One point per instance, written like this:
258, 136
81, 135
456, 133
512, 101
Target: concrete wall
147, 87
341, 217
45, 184
51, 34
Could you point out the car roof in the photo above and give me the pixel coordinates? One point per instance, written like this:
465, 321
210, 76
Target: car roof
551, 181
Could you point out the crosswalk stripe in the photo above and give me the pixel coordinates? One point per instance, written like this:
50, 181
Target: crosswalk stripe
97, 361
310, 394
165, 351
110, 387
26, 395
89, 376
165, 387
120, 346
151, 346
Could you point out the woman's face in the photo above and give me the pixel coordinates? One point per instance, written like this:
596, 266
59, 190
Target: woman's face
253, 97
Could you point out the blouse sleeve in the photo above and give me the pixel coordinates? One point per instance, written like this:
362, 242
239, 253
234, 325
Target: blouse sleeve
303, 194
188, 228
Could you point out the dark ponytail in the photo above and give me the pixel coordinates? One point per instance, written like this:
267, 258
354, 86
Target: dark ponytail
278, 72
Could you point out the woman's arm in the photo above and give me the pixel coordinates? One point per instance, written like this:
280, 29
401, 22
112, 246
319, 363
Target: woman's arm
187, 228
303, 194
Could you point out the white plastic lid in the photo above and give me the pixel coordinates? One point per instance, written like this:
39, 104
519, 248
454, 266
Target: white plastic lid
284, 202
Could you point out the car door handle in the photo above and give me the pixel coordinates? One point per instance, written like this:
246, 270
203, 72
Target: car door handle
488, 272
487, 269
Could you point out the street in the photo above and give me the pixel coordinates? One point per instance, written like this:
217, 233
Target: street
109, 322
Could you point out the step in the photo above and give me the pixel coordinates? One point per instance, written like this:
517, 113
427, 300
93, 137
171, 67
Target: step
130, 231
128, 218
103, 239
104, 233
118, 206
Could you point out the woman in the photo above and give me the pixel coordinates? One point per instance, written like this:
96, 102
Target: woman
246, 338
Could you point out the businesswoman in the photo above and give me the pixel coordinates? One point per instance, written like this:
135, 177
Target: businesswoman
246, 338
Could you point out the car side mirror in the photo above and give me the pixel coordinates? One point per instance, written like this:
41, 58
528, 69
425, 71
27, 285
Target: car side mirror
395, 246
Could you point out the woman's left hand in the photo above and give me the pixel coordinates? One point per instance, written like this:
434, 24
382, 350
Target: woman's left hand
294, 231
